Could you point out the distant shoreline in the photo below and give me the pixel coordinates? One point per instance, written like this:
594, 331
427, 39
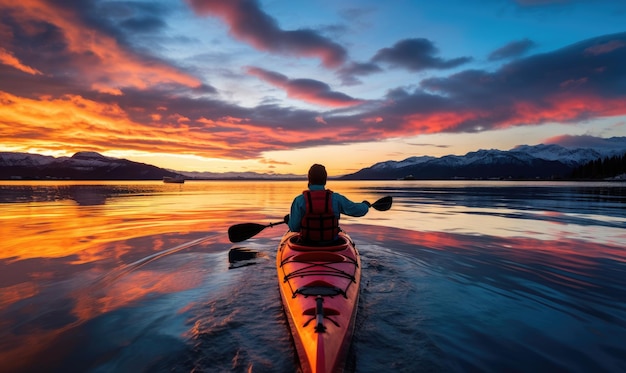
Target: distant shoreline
623, 179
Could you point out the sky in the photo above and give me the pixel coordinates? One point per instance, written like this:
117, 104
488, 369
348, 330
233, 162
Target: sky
273, 86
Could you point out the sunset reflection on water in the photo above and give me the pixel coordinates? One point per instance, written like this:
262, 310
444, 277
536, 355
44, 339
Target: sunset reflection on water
88, 269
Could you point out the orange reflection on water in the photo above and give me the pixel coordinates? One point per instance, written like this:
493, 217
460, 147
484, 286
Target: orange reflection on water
61, 229
68, 263
96, 293
74, 254
133, 286
13, 293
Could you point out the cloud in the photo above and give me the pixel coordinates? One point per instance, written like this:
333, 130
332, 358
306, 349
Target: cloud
308, 90
97, 92
416, 55
248, 22
566, 85
512, 49
73, 123
607, 47
349, 72
273, 162
145, 24
320, 119
431, 145
61, 41
587, 141
9, 59
529, 91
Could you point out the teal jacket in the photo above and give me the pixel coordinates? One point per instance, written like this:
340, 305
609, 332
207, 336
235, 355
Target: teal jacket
341, 205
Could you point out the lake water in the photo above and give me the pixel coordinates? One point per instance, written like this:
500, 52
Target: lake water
457, 277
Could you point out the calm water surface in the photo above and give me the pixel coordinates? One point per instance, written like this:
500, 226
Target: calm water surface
457, 277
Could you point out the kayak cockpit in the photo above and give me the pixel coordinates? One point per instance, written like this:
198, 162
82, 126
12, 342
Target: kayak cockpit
322, 289
296, 243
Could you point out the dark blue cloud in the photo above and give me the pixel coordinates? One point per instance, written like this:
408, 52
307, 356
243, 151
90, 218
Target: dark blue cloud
144, 24
511, 50
349, 73
416, 55
592, 67
248, 22
592, 72
309, 90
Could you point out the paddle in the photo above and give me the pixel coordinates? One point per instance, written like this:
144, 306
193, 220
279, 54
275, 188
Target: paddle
383, 204
243, 231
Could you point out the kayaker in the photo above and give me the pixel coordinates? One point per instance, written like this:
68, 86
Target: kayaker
315, 213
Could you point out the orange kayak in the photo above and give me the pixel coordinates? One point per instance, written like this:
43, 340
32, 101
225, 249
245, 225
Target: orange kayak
319, 287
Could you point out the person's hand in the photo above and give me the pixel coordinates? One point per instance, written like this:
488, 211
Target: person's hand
286, 219
367, 203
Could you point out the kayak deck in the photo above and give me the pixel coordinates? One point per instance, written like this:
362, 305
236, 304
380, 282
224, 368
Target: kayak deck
319, 287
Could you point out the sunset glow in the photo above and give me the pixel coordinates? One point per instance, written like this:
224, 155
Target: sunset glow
252, 85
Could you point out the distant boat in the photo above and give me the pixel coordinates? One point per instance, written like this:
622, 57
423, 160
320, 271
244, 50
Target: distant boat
173, 180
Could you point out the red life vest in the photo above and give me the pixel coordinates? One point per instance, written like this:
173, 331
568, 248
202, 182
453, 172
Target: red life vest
319, 222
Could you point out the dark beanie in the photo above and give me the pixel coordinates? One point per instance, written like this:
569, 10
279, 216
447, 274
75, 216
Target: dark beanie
317, 175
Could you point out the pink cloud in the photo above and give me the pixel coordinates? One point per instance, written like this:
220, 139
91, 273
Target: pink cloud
605, 47
586, 141
9, 59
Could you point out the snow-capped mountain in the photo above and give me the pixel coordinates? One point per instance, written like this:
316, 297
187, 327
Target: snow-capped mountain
522, 162
407, 162
95, 166
573, 157
80, 166
24, 160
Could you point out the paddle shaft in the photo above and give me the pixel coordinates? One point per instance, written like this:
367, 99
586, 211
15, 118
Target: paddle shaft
243, 231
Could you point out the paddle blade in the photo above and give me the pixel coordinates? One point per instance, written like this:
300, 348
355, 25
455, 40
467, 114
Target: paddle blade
241, 232
383, 204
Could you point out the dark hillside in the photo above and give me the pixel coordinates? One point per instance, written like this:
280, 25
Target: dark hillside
601, 168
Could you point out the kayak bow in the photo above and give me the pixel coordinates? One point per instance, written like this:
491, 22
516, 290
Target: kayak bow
319, 287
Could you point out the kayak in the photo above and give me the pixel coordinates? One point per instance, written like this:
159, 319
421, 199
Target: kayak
319, 288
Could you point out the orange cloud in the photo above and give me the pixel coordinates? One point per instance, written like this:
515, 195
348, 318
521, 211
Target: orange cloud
436, 122
9, 59
273, 162
72, 123
98, 57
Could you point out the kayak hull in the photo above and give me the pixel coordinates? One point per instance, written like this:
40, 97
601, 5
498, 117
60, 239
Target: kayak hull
319, 287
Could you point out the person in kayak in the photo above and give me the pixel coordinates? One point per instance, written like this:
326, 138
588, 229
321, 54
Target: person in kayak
315, 213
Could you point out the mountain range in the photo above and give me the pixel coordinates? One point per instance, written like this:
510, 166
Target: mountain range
522, 162
80, 166
95, 166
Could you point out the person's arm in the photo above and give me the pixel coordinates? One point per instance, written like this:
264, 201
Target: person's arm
350, 208
295, 214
